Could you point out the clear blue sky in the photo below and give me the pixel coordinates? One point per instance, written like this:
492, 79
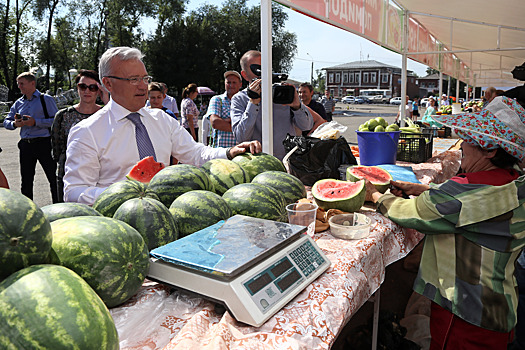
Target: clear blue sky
324, 44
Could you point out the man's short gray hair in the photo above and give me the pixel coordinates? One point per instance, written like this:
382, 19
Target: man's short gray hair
123, 53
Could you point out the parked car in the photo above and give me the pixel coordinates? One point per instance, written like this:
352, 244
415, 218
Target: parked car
348, 99
365, 99
395, 101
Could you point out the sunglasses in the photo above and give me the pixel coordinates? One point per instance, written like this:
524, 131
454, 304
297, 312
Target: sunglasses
92, 87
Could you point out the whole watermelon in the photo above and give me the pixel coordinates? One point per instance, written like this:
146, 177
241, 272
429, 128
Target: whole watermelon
151, 219
224, 174
108, 254
288, 185
171, 182
51, 307
258, 201
25, 233
68, 210
255, 164
113, 196
196, 210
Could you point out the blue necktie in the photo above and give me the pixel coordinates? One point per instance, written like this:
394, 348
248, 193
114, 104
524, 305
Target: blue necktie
141, 134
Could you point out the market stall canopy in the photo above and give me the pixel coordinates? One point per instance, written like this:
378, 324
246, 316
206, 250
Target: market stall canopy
488, 36
203, 90
478, 42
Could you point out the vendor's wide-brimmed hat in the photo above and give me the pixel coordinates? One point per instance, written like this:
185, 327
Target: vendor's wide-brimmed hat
500, 124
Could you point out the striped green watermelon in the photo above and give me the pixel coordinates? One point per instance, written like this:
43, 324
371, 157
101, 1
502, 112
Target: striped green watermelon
288, 185
171, 182
256, 200
343, 195
108, 254
198, 209
151, 219
68, 210
25, 233
224, 174
115, 195
51, 307
255, 164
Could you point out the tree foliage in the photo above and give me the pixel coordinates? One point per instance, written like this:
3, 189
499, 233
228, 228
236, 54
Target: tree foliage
198, 46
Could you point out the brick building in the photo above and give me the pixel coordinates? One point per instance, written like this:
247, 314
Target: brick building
350, 78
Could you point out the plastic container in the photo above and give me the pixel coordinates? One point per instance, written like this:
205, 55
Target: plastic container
415, 148
350, 226
342, 171
377, 147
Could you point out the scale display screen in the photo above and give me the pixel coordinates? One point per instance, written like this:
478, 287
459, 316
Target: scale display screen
275, 281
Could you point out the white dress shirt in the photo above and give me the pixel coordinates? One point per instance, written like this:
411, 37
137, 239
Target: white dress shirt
102, 149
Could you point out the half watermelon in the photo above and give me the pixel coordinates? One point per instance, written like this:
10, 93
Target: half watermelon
379, 177
343, 195
145, 169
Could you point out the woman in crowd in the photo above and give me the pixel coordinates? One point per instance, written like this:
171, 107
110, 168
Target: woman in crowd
189, 110
431, 110
88, 86
475, 230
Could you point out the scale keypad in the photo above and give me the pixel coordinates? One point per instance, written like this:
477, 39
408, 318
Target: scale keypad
307, 258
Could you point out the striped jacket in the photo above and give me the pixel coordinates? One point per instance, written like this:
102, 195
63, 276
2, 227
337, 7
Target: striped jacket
474, 234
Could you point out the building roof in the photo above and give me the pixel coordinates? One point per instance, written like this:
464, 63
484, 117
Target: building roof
434, 76
362, 64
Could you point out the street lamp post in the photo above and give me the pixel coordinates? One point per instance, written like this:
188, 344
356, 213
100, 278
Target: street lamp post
311, 70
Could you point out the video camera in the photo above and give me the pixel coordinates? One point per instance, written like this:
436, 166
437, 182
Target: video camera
519, 72
282, 94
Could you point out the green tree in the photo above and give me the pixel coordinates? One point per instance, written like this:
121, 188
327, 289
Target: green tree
319, 82
11, 52
210, 40
41, 8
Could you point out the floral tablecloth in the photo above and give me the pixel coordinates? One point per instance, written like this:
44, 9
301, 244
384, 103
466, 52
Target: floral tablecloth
160, 318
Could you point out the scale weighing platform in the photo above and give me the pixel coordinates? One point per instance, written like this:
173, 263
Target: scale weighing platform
252, 266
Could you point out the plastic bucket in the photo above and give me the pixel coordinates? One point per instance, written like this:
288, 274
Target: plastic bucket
377, 147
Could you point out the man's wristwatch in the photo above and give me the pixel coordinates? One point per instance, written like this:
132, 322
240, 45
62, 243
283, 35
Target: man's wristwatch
228, 154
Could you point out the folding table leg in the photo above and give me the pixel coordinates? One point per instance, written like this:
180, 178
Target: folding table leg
376, 298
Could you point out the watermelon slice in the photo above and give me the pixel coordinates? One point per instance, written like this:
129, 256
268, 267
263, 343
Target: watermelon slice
379, 177
144, 170
343, 195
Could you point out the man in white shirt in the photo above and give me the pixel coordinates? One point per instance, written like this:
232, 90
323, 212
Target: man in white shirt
103, 148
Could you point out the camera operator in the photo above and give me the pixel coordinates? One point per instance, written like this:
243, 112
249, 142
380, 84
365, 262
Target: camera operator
246, 111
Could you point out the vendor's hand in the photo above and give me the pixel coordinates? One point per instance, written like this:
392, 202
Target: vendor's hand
29, 121
372, 194
296, 104
408, 188
248, 146
255, 86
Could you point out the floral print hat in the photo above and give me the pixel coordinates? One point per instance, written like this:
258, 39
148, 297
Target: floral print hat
500, 124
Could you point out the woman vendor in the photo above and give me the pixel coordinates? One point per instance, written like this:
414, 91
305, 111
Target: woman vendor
475, 230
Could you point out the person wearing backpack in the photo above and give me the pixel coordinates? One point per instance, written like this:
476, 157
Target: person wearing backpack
33, 113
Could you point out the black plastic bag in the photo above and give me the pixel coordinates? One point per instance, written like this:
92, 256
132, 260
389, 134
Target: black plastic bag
316, 159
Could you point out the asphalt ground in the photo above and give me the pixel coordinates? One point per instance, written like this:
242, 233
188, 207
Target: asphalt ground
350, 116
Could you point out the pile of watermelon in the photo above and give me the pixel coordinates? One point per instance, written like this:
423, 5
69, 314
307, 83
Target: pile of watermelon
70, 259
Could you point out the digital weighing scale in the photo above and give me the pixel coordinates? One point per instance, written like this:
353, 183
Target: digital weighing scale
252, 266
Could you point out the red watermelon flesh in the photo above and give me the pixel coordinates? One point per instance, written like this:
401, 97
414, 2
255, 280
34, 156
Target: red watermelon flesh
145, 169
343, 195
379, 177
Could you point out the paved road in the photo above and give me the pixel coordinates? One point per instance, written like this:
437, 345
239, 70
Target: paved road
349, 115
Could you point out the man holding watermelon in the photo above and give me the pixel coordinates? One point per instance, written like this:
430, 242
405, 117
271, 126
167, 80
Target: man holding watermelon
102, 149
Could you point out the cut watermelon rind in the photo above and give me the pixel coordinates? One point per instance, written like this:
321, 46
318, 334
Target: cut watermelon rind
345, 200
352, 174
